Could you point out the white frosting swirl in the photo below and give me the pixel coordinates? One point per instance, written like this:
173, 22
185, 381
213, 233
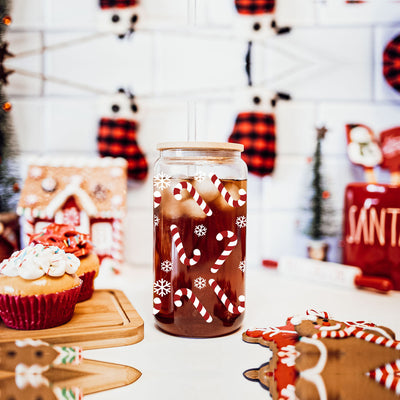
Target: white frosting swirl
37, 260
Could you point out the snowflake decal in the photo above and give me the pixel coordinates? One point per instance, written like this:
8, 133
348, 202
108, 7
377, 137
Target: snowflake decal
162, 181
200, 230
200, 176
242, 266
241, 221
156, 220
71, 216
162, 287
166, 266
200, 283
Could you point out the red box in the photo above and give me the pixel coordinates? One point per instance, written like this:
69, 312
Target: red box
372, 229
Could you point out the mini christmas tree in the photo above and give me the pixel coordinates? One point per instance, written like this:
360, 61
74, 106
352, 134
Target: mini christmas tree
9, 226
5, 18
320, 224
8, 164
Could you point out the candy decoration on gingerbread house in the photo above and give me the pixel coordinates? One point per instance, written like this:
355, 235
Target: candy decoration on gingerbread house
89, 193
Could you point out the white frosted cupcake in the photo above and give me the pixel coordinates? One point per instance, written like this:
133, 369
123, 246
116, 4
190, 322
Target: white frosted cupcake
39, 287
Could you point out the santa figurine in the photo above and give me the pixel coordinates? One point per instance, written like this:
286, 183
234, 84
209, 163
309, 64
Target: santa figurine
363, 149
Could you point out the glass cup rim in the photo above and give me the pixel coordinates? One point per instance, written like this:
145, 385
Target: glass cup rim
200, 146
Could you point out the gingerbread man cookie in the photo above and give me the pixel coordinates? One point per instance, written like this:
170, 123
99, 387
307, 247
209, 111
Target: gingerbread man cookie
330, 359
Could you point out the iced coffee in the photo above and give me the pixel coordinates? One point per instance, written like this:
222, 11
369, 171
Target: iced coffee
200, 245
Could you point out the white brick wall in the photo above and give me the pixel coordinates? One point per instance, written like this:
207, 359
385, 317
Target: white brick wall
194, 50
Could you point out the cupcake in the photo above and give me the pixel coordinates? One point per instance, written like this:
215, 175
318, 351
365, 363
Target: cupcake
38, 287
68, 239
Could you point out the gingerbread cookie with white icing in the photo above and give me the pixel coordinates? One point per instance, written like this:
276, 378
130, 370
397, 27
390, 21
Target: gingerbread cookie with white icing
330, 359
279, 374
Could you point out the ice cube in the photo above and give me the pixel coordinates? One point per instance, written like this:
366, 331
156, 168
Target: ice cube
192, 209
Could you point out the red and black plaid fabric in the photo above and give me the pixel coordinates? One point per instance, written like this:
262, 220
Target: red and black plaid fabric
256, 131
118, 3
391, 63
117, 138
253, 7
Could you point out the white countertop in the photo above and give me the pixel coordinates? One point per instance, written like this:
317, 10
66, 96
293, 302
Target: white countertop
182, 368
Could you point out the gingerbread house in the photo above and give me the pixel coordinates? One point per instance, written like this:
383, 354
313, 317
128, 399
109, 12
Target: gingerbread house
89, 193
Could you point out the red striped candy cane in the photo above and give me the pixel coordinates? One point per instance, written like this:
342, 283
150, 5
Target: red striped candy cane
224, 299
181, 251
194, 300
225, 194
318, 314
388, 375
194, 193
227, 251
370, 337
156, 305
157, 198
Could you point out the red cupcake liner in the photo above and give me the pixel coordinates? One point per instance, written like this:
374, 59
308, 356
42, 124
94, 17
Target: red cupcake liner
39, 311
87, 288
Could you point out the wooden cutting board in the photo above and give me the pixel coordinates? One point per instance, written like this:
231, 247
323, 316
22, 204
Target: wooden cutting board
108, 319
90, 377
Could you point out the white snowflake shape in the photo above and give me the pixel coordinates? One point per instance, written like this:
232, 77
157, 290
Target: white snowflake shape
200, 230
162, 181
200, 176
71, 216
166, 266
288, 355
242, 266
156, 220
200, 283
241, 221
162, 287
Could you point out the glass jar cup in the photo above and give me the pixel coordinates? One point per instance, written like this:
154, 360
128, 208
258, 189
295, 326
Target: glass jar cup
199, 238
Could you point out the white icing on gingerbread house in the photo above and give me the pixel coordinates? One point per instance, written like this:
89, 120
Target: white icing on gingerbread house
81, 192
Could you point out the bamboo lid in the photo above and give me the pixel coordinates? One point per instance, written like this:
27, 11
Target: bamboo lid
200, 146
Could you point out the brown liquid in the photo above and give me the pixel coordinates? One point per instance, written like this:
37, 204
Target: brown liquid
186, 214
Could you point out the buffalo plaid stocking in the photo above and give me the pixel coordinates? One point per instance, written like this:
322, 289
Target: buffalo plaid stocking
391, 63
118, 3
117, 138
256, 131
254, 7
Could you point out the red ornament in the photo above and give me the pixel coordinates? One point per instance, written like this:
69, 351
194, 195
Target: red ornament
6, 20
326, 194
6, 106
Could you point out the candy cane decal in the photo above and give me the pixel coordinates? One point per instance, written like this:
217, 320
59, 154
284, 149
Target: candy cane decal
156, 305
157, 198
194, 193
181, 251
227, 251
225, 194
194, 300
224, 299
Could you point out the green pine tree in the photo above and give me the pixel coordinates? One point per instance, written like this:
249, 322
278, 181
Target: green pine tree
8, 148
8, 163
5, 9
320, 224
